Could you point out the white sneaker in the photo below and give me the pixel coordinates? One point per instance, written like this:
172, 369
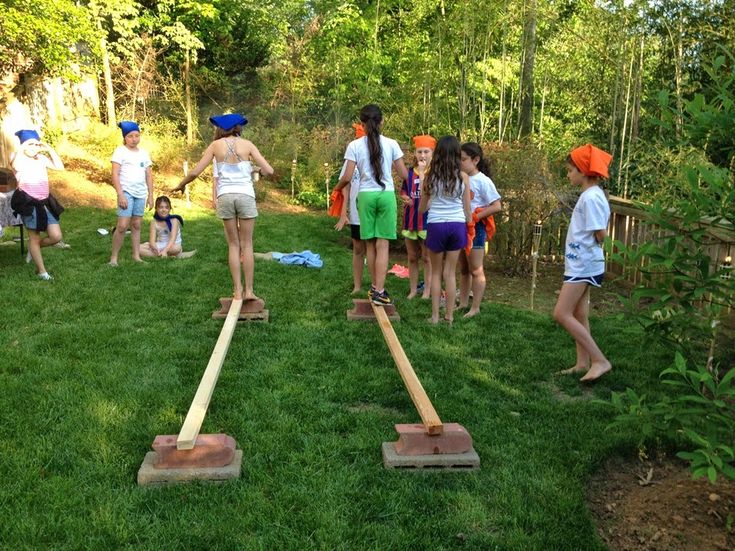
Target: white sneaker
46, 276
62, 245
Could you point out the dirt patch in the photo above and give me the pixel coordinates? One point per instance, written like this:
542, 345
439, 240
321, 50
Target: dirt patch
655, 505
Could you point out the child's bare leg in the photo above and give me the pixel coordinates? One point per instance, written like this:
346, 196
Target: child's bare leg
581, 312
358, 264
246, 226
477, 256
465, 280
118, 236
436, 284
173, 251
233, 255
371, 252
450, 282
381, 263
135, 237
427, 270
34, 247
53, 236
146, 250
412, 249
569, 298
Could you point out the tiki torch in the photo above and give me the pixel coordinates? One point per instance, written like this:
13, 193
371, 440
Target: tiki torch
534, 256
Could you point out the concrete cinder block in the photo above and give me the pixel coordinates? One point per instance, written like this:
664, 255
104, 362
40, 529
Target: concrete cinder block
467, 461
149, 475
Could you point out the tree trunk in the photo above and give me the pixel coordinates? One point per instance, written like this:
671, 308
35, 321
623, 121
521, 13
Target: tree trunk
109, 90
188, 107
529, 58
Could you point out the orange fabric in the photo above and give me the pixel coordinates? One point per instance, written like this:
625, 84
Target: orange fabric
591, 161
359, 130
336, 202
424, 141
488, 222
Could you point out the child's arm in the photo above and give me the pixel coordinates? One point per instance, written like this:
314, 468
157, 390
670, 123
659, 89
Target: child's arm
400, 167
152, 238
171, 237
466, 198
343, 214
346, 175
265, 168
600, 236
149, 183
492, 208
194, 173
424, 202
56, 162
122, 202
405, 197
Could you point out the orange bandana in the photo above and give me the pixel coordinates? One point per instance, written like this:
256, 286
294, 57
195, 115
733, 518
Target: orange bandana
591, 161
424, 141
359, 130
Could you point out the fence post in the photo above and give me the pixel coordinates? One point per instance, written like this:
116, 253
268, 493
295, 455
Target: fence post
326, 182
293, 177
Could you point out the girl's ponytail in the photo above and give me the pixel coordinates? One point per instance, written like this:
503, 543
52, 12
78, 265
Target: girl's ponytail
371, 117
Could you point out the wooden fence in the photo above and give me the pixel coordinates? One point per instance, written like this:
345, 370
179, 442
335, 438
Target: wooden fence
627, 225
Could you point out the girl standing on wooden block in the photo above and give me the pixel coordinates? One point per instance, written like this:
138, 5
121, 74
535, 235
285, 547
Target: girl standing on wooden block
350, 215
234, 194
485, 202
38, 208
446, 195
414, 222
584, 259
374, 156
132, 177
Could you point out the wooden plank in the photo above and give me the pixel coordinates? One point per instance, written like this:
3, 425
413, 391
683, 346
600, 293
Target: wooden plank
198, 409
418, 395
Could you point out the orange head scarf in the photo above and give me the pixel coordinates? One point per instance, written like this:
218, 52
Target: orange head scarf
359, 130
591, 161
424, 141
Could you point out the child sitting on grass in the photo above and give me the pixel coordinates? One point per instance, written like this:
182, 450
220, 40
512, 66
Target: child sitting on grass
165, 233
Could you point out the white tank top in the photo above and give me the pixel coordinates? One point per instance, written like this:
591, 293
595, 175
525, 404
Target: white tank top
234, 177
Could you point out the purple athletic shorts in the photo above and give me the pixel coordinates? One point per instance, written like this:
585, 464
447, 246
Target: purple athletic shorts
446, 236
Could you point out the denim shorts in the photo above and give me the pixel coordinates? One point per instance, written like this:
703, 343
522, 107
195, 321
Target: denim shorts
480, 236
136, 206
31, 223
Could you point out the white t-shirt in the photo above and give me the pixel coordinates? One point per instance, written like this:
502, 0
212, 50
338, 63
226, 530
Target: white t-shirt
483, 191
354, 190
447, 208
583, 254
358, 152
133, 165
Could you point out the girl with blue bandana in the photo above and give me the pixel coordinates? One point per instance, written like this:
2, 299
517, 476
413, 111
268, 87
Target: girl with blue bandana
233, 194
39, 210
165, 235
132, 176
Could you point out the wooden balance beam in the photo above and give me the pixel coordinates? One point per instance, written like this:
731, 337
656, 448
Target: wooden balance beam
433, 444
418, 395
190, 455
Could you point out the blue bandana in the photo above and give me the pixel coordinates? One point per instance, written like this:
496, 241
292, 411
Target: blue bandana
229, 121
128, 126
25, 135
168, 218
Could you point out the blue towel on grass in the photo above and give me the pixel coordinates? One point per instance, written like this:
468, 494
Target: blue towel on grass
304, 258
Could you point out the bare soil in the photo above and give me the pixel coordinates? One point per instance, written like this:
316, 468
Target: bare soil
655, 505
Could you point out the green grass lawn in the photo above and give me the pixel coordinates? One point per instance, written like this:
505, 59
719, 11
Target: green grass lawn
98, 362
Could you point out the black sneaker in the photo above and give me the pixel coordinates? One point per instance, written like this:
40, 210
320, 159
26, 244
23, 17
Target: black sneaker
381, 299
372, 292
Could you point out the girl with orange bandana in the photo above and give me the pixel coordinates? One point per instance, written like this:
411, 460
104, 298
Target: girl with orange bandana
414, 222
584, 262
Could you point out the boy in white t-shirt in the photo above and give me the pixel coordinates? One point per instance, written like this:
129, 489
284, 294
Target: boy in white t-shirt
584, 262
132, 177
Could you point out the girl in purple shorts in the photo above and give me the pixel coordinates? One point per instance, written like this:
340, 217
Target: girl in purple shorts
446, 195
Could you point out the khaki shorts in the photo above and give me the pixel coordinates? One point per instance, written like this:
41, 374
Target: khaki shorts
236, 205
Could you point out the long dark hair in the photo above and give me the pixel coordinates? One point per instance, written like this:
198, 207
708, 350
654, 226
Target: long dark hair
371, 117
234, 131
473, 149
444, 172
